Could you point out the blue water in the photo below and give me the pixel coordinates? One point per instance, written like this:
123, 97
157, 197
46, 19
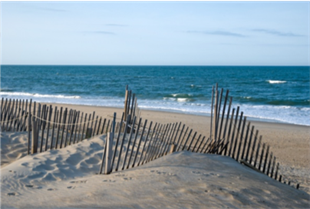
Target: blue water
270, 93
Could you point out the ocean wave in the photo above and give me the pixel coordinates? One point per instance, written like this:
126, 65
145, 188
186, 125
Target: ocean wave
275, 81
178, 99
38, 95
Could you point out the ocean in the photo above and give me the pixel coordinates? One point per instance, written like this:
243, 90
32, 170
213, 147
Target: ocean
270, 93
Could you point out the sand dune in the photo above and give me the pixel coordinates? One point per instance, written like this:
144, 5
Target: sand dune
66, 178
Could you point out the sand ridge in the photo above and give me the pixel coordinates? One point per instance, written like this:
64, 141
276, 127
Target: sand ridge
66, 178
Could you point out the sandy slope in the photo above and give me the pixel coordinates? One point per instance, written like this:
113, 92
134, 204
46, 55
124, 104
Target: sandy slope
66, 178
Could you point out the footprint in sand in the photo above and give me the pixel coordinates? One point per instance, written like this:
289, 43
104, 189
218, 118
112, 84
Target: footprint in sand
78, 182
29, 185
71, 187
12, 194
129, 178
196, 172
163, 173
109, 180
12, 171
51, 189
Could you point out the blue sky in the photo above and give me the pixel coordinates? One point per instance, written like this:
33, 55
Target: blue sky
155, 33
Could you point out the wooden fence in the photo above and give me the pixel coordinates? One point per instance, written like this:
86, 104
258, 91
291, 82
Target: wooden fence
238, 139
131, 142
48, 127
146, 142
131, 105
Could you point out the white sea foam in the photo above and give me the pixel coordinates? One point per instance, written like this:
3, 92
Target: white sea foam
275, 81
288, 114
37, 95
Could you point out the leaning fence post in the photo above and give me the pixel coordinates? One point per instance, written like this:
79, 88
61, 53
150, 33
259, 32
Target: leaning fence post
108, 156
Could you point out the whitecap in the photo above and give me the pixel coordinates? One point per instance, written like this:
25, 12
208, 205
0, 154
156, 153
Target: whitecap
275, 81
38, 95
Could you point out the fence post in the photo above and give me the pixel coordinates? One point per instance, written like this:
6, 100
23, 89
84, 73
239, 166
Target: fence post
34, 136
125, 105
108, 156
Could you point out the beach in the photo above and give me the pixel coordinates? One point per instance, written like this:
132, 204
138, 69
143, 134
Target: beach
58, 178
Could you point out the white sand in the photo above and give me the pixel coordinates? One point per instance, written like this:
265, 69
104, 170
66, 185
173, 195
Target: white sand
66, 178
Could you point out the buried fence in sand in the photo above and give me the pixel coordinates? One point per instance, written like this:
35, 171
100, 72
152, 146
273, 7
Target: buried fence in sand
132, 142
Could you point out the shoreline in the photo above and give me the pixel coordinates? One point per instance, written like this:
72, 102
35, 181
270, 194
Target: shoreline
252, 119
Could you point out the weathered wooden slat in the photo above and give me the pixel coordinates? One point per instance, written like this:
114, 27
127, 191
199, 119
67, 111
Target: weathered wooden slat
215, 114
266, 159
3, 113
223, 115
193, 150
176, 132
240, 140
218, 115
134, 143
103, 155
48, 126
63, 127
129, 141
7, 115
132, 104
149, 144
212, 118
103, 125
245, 141
190, 144
145, 141
54, 125
138, 147
184, 135
125, 104
169, 139
84, 128
273, 166
229, 130
123, 140
92, 124
68, 127
249, 144
276, 171
58, 130
198, 148
24, 113
160, 141
230, 153
72, 126
29, 126
34, 143
165, 138
253, 147
108, 167
180, 135
261, 156
108, 125
99, 124
155, 142
88, 134
117, 140
76, 126
190, 132
237, 135
257, 150
269, 163
43, 116
95, 127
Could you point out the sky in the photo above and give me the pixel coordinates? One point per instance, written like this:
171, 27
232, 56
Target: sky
155, 33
